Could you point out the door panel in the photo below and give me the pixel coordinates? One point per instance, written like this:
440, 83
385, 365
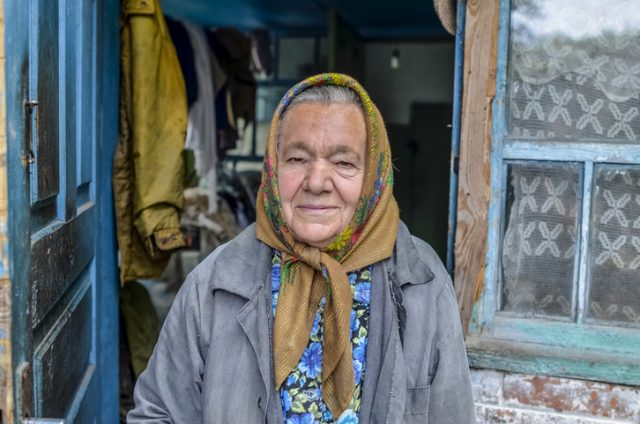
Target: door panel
43, 79
58, 258
86, 93
61, 138
68, 342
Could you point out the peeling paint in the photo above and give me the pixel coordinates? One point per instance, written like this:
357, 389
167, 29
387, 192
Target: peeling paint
503, 397
6, 382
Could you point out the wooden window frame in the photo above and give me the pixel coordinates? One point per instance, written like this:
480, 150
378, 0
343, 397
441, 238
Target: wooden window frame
499, 340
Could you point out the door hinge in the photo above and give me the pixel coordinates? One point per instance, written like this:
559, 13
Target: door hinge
25, 398
24, 378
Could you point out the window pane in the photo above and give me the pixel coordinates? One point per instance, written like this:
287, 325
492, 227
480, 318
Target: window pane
614, 293
296, 58
267, 100
571, 76
539, 246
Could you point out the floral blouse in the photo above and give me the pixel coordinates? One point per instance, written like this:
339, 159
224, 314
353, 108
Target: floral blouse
301, 393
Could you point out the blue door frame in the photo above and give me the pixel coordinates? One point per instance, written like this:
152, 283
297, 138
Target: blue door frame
458, 77
90, 159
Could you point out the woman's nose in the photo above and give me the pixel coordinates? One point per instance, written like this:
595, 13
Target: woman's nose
318, 177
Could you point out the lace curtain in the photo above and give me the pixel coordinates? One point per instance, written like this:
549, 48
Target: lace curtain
575, 70
540, 240
615, 245
573, 78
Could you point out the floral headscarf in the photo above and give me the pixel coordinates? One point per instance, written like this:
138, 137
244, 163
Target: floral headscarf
310, 273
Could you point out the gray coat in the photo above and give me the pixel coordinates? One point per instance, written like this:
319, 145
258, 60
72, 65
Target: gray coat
213, 360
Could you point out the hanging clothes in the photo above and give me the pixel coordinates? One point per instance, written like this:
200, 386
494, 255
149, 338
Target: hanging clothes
261, 57
233, 50
201, 132
140, 323
184, 49
148, 165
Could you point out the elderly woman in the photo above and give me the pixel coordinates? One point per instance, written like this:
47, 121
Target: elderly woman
327, 310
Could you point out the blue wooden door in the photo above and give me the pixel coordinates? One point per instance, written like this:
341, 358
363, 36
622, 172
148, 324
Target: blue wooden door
62, 85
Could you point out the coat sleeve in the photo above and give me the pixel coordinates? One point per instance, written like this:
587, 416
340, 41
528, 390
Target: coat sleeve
169, 390
158, 125
451, 399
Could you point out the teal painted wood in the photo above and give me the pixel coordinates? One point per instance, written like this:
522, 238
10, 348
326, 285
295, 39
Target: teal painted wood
458, 79
549, 360
565, 346
572, 151
489, 299
587, 337
64, 56
106, 86
582, 245
18, 146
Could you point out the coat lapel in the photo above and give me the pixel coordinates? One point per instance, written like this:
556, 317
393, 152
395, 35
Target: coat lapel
249, 262
254, 321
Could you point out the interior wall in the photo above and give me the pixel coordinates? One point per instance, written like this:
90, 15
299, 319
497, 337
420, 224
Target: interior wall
415, 100
425, 75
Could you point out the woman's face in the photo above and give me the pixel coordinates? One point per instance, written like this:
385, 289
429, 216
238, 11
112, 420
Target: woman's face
321, 161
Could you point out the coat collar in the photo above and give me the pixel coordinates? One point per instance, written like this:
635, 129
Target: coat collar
409, 267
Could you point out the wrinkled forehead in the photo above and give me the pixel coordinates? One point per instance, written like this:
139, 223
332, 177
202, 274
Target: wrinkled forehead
326, 95
343, 123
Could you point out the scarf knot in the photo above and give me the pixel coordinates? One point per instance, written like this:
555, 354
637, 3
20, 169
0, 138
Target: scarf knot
310, 255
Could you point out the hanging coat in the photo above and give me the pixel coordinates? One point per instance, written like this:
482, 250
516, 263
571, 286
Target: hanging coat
148, 165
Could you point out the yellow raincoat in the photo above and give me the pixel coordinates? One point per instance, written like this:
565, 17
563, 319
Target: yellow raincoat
148, 164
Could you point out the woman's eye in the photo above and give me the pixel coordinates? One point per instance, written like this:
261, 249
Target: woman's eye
345, 164
295, 160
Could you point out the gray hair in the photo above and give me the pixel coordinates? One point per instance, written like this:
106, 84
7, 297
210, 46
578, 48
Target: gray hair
321, 94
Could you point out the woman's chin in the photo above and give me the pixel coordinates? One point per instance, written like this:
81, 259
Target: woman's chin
316, 237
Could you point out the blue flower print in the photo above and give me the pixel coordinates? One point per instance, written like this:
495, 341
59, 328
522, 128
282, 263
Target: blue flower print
311, 361
301, 393
360, 351
300, 419
315, 329
355, 324
359, 357
275, 277
313, 394
348, 417
291, 379
286, 401
362, 293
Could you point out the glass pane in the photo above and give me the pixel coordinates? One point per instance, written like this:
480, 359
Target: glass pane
574, 70
539, 246
296, 58
267, 100
614, 293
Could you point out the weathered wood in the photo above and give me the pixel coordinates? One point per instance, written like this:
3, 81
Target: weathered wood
83, 410
520, 357
572, 151
45, 177
6, 382
58, 257
62, 359
480, 52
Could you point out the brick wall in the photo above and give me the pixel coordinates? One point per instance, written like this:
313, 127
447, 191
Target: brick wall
503, 397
